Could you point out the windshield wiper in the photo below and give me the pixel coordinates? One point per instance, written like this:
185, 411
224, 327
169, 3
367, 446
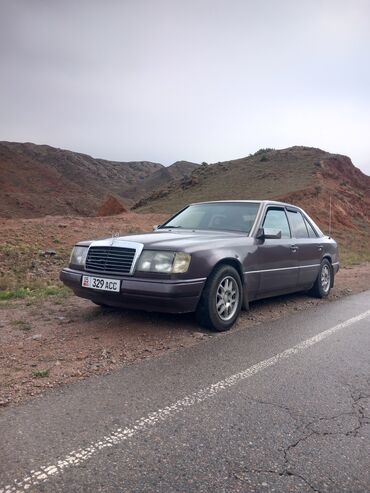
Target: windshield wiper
171, 227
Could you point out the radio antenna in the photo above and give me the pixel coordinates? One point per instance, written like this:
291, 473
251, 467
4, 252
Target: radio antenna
330, 216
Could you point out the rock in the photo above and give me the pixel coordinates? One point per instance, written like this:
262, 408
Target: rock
36, 337
47, 253
111, 207
50, 253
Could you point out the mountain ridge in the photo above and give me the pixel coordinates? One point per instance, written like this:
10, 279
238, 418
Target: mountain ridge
37, 180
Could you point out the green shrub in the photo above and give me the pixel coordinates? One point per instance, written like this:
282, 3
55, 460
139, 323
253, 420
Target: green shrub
9, 294
263, 151
40, 373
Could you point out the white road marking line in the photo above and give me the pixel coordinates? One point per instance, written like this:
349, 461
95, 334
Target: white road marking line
77, 457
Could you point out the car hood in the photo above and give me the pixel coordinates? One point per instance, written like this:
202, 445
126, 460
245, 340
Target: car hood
175, 240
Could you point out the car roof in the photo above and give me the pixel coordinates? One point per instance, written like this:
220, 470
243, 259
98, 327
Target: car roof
269, 202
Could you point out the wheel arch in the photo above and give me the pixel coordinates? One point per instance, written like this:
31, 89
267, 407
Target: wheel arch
328, 257
234, 262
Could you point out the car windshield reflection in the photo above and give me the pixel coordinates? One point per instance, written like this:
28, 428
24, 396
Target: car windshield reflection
226, 216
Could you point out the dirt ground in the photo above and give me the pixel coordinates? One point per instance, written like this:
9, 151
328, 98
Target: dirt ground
52, 341
33, 251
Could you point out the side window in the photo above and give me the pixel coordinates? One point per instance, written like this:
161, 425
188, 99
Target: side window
298, 224
311, 231
276, 219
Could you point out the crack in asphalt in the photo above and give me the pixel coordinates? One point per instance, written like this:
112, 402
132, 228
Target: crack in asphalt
357, 411
285, 472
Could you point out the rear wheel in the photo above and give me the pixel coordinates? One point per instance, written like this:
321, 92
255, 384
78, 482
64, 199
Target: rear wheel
221, 300
323, 282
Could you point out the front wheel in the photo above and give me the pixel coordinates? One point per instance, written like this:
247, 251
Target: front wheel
221, 300
323, 282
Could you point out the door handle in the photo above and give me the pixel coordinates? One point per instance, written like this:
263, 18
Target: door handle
294, 248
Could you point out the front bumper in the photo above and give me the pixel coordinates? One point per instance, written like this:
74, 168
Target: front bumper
170, 296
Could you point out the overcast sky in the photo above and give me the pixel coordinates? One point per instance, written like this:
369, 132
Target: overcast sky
201, 80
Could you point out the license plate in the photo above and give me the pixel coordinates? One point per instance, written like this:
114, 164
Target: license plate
101, 283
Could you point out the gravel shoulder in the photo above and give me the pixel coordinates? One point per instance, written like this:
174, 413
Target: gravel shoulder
59, 340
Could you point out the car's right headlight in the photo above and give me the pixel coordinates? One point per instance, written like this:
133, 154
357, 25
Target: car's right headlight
163, 261
78, 255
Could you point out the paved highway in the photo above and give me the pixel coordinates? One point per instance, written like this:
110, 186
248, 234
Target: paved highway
281, 407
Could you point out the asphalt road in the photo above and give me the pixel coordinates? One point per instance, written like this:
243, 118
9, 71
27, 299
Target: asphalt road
281, 407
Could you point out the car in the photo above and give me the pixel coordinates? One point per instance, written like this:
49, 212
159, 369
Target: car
212, 258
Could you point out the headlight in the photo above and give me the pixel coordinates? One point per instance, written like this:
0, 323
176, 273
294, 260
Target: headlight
181, 262
165, 262
78, 255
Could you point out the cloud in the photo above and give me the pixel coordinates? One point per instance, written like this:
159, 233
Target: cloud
204, 81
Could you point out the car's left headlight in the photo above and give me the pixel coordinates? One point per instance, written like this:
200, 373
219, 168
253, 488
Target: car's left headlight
78, 255
165, 262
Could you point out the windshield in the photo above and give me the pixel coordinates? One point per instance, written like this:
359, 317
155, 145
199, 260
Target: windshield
223, 216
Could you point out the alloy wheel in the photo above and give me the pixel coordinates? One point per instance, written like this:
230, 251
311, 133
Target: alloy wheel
325, 278
227, 298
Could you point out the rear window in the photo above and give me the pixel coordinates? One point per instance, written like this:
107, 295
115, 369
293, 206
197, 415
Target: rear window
298, 224
311, 232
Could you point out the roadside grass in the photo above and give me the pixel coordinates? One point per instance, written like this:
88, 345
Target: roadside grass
41, 373
27, 268
22, 325
34, 293
348, 259
353, 249
8, 294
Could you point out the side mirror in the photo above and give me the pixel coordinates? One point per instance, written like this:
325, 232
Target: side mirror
156, 227
268, 234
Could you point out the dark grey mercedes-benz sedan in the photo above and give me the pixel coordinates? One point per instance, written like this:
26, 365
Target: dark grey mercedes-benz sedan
212, 258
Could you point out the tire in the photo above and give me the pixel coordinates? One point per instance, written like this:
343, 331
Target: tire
324, 280
221, 300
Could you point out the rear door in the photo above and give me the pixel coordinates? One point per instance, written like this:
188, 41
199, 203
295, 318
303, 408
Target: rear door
275, 260
309, 248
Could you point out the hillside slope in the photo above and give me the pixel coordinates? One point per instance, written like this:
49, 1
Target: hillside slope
263, 175
161, 178
304, 176
39, 180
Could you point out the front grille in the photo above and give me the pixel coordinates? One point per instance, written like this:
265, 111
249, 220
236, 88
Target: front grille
115, 260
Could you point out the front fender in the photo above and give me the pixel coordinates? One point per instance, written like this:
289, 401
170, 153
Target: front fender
204, 262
